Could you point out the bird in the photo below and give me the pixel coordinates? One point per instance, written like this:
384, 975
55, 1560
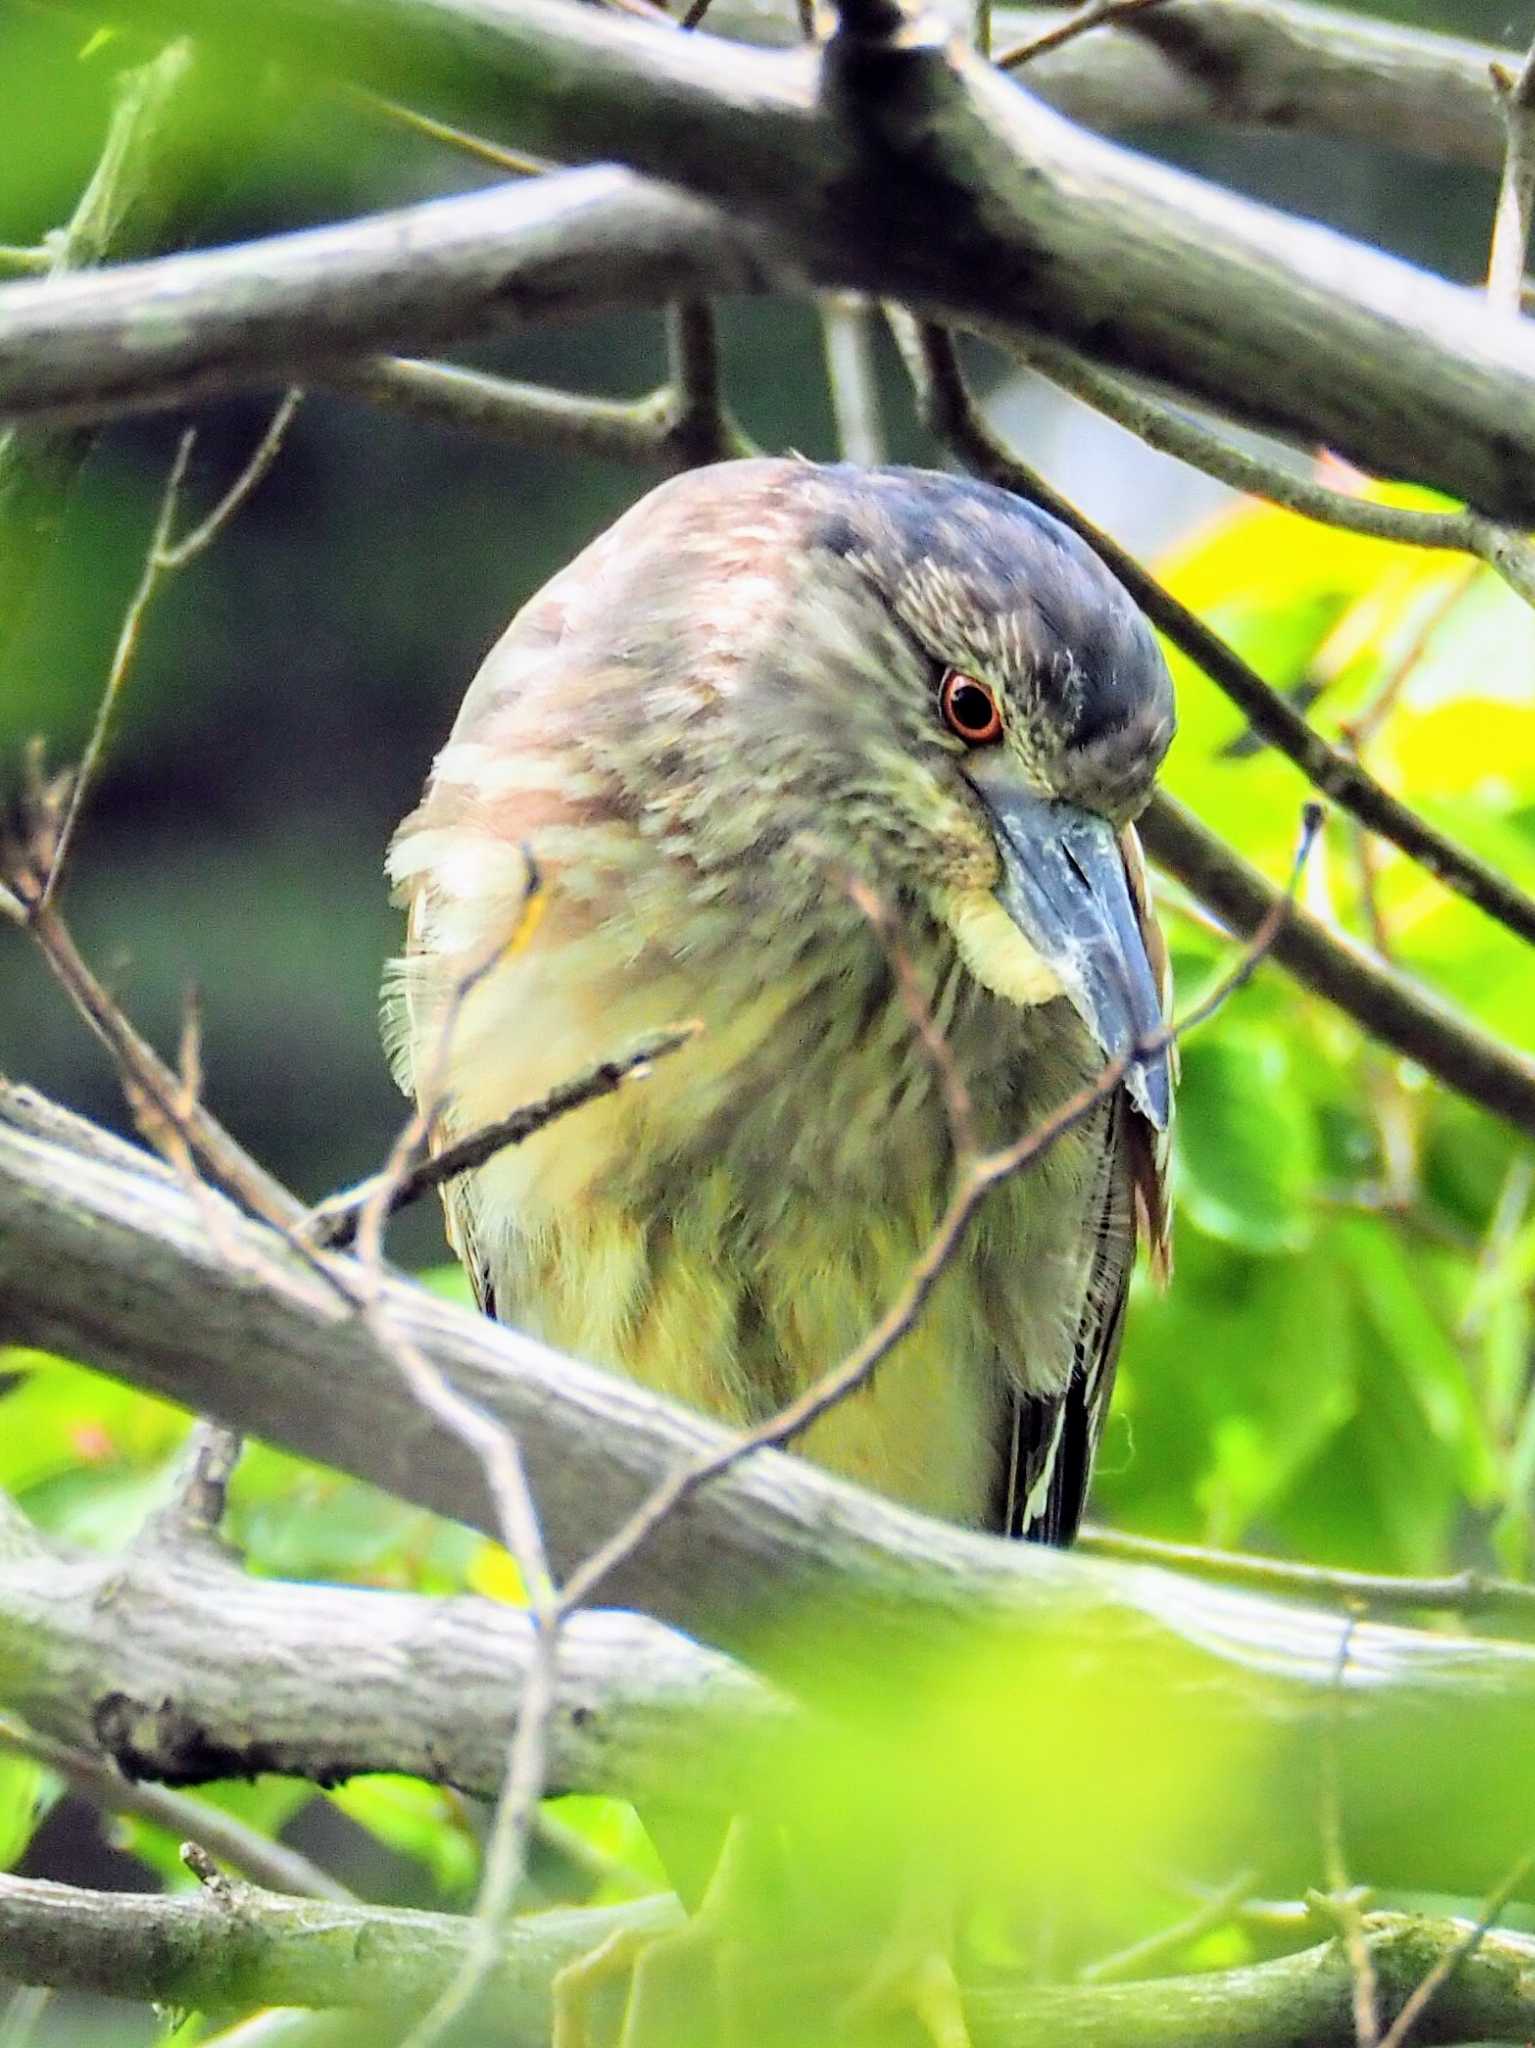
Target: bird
773, 692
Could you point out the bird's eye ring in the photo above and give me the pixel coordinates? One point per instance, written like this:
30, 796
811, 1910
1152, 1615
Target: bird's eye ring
970, 710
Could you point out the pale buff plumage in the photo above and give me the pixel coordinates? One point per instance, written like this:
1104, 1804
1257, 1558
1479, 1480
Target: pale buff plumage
700, 730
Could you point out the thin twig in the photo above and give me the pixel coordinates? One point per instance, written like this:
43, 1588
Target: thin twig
1186, 439
698, 425
162, 558
1095, 14
1511, 222
149, 1080
847, 334
266, 1862
1400, 2030
1141, 1958
1465, 1592
1391, 1007
500, 1458
1342, 1902
515, 162
176, 554
972, 1185
150, 576
333, 1223
952, 416
958, 1108
526, 415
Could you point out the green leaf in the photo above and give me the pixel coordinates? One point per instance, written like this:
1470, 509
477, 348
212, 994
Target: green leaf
418, 1820
1247, 1142
22, 1787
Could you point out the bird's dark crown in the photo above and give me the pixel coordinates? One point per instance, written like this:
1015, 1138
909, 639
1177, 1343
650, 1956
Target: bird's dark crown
980, 578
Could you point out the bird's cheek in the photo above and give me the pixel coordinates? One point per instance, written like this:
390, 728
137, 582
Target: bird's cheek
996, 951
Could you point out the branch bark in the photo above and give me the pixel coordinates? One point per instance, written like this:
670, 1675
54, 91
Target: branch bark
163, 333
180, 1668
772, 1543
1263, 64
910, 170
245, 1948
1276, 64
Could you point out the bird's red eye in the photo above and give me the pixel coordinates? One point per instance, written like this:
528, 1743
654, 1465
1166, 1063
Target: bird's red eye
969, 709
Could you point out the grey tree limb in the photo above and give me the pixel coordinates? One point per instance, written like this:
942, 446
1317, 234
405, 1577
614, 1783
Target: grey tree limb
238, 1947
164, 333
1261, 64
1277, 64
267, 1346
911, 170
179, 1668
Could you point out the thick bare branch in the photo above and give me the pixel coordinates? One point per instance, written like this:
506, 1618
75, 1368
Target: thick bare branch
235, 1946
1274, 64
770, 1539
159, 334
915, 171
180, 1669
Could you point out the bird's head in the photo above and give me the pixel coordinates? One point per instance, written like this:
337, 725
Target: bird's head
769, 670
921, 677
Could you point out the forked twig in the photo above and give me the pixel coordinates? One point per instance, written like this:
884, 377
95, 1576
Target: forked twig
162, 558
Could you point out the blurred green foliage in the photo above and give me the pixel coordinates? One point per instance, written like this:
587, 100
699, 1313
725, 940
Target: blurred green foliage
1342, 1367
1342, 1364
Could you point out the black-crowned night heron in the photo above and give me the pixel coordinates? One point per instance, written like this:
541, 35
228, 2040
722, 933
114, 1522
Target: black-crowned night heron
766, 678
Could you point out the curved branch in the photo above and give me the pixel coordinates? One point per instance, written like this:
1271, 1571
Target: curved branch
162, 333
1275, 64
908, 169
235, 1946
1189, 440
1465, 1592
770, 1541
181, 1669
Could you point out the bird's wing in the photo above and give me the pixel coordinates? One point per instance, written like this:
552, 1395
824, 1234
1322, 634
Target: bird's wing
1048, 1457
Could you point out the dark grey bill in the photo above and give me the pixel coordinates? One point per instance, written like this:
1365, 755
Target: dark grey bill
1064, 886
